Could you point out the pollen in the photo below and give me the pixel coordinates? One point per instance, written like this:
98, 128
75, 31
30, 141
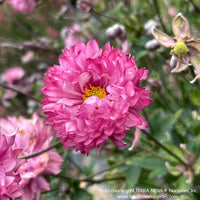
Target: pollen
180, 48
94, 91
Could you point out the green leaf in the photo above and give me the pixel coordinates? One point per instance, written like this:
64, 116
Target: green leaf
163, 122
132, 173
81, 194
88, 170
172, 170
116, 11
197, 167
149, 162
177, 151
195, 97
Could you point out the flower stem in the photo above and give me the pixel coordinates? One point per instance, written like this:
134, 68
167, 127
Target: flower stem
91, 180
155, 4
111, 167
197, 154
26, 30
41, 152
16, 21
110, 18
104, 180
26, 45
19, 91
153, 153
195, 6
148, 150
164, 148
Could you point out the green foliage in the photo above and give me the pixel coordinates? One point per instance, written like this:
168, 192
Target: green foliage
154, 165
195, 97
80, 193
164, 122
173, 117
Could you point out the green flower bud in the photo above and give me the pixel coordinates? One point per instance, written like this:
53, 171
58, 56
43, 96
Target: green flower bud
180, 48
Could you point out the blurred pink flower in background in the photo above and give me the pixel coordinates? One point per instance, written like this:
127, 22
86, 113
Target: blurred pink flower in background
126, 46
14, 74
93, 96
172, 11
33, 136
52, 32
23, 6
9, 164
86, 5
73, 35
27, 57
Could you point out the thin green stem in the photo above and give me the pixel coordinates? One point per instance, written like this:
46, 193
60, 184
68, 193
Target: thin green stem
155, 4
26, 30
111, 167
104, 180
27, 45
148, 151
41, 152
164, 148
19, 91
195, 6
197, 154
110, 18
91, 180
14, 19
153, 153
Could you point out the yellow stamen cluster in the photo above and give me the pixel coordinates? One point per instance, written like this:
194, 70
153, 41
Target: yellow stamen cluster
94, 91
180, 48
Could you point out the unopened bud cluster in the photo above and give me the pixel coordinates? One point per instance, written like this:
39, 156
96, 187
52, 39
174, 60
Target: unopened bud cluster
85, 5
116, 31
152, 45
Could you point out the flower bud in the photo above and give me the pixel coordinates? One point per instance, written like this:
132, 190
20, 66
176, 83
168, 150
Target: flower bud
173, 62
152, 45
154, 84
116, 31
85, 5
149, 25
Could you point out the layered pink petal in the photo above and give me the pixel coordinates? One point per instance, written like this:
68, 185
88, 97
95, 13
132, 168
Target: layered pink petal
31, 136
9, 176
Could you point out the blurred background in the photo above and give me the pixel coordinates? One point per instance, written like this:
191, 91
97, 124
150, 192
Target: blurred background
31, 39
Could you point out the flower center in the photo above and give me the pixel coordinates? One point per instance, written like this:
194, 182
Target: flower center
94, 91
180, 48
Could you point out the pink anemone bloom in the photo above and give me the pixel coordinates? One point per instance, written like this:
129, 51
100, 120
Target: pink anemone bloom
23, 6
14, 74
93, 95
33, 136
9, 164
